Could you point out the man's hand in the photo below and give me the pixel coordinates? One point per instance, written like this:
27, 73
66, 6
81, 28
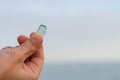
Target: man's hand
23, 62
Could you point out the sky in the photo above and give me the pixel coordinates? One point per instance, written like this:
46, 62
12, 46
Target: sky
78, 30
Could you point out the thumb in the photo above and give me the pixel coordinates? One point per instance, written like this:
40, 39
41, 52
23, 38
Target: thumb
30, 46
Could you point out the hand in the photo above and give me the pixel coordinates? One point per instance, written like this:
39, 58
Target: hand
23, 62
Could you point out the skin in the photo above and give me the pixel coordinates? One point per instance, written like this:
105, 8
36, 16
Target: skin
23, 62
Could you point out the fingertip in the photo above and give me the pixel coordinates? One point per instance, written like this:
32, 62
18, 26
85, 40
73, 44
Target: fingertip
32, 33
36, 35
21, 39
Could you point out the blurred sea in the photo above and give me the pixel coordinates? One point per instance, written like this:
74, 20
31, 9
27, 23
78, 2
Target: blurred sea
81, 71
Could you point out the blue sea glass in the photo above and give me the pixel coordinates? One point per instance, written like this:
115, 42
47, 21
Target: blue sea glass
42, 30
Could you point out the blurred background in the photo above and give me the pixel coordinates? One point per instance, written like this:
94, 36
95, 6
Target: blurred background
83, 37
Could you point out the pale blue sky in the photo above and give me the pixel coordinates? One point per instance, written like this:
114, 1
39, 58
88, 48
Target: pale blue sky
78, 30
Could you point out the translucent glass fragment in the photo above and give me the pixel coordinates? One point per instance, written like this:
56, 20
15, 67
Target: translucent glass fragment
42, 30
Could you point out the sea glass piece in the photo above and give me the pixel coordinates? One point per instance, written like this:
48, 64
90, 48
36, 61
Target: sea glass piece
42, 30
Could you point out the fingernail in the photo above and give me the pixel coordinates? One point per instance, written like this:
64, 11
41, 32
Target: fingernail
35, 41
